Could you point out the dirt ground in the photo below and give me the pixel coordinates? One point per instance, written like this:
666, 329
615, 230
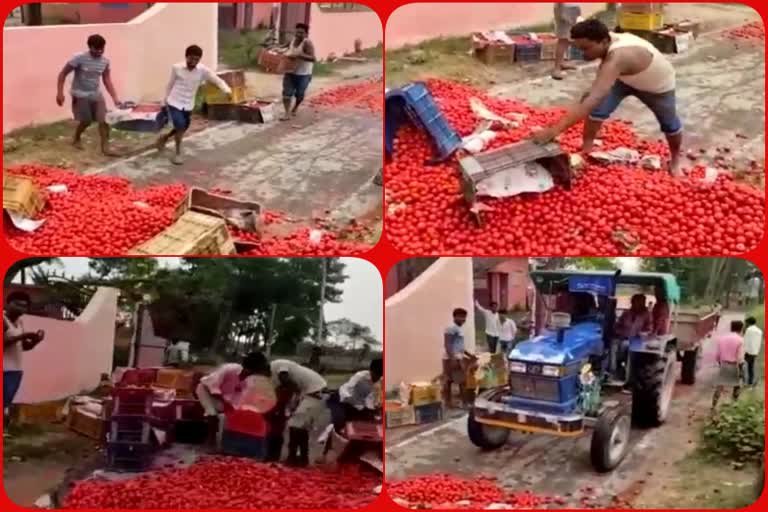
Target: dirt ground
657, 473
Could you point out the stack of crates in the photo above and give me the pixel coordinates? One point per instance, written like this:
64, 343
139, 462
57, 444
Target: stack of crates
398, 414
641, 16
245, 435
427, 403
526, 48
129, 439
182, 381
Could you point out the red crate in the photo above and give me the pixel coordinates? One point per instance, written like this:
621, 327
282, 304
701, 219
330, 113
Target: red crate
142, 377
246, 422
132, 401
364, 431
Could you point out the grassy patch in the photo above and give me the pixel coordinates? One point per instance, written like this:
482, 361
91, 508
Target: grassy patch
37, 441
240, 49
737, 432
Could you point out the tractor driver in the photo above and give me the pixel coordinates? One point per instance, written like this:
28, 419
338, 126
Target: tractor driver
635, 320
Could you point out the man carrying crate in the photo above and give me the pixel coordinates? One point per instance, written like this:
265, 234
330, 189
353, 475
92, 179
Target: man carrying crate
186, 79
301, 56
630, 66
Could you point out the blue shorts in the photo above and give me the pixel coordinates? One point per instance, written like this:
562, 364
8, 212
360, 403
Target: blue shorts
11, 385
663, 106
180, 119
294, 86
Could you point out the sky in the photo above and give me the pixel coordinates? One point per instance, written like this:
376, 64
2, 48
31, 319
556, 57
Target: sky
361, 301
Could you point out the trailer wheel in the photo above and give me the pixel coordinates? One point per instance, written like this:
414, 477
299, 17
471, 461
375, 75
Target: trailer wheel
484, 436
652, 389
690, 366
610, 439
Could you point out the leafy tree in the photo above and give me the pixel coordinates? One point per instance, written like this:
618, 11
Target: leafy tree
592, 263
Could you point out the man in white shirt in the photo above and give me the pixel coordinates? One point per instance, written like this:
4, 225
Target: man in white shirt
357, 398
307, 386
508, 333
753, 340
186, 79
492, 325
15, 341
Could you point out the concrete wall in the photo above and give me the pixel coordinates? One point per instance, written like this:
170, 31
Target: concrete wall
260, 16
73, 354
413, 23
29, 92
335, 32
96, 12
416, 317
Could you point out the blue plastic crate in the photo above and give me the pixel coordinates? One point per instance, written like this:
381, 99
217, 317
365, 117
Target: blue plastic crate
429, 413
574, 53
417, 102
529, 51
129, 457
243, 445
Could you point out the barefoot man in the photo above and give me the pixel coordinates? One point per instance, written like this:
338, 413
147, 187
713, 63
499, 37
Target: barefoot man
88, 105
630, 66
301, 53
566, 16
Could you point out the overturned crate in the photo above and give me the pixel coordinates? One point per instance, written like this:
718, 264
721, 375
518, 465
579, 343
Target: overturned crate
22, 196
193, 233
246, 215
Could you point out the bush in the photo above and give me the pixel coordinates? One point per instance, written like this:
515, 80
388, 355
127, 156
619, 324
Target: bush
738, 432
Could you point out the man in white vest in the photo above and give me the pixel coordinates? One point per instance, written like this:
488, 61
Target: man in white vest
630, 66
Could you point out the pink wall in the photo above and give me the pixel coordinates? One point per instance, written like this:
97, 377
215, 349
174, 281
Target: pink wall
335, 32
92, 12
413, 23
417, 315
261, 14
29, 92
517, 281
73, 355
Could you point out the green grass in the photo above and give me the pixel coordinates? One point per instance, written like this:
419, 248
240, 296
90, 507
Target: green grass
240, 49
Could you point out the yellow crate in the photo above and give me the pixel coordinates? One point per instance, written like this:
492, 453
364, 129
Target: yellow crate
641, 21
45, 412
192, 234
213, 96
424, 394
22, 196
180, 380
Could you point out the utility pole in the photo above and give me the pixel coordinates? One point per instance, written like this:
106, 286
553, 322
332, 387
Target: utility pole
321, 313
271, 330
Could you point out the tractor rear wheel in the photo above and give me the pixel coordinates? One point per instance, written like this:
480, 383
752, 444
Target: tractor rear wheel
610, 439
690, 366
653, 384
484, 436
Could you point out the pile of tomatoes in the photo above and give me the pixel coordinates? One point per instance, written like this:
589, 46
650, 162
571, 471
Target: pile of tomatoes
616, 209
448, 491
230, 483
754, 31
365, 95
106, 215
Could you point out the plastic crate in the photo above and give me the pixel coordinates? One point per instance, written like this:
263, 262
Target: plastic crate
574, 53
423, 110
548, 46
213, 96
139, 377
243, 445
527, 51
495, 53
93, 427
428, 413
641, 21
424, 394
132, 402
129, 429
180, 380
246, 422
129, 457
256, 112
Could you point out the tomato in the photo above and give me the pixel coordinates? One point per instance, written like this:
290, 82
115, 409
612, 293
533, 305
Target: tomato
366, 95
611, 210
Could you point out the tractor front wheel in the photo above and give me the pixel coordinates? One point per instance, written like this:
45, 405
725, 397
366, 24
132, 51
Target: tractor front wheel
610, 439
485, 436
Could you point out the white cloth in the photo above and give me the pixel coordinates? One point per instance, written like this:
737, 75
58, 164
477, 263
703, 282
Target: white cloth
308, 381
658, 77
753, 340
12, 360
358, 391
508, 330
303, 67
492, 321
225, 381
184, 83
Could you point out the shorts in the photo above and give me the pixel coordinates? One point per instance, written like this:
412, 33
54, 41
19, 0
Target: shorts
180, 119
506, 346
295, 86
88, 111
308, 413
663, 105
11, 385
565, 19
729, 375
454, 371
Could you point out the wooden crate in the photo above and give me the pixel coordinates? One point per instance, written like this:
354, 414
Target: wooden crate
641, 21
45, 412
22, 196
93, 427
424, 394
180, 380
201, 201
399, 415
192, 234
548, 46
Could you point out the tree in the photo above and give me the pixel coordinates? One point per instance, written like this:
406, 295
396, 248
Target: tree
592, 263
20, 268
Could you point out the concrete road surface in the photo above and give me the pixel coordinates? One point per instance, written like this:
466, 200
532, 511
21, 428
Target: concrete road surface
549, 465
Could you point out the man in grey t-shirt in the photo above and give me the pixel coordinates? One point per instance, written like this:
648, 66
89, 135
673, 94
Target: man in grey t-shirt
88, 105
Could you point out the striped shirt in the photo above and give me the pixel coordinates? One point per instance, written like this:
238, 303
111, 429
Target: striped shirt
88, 73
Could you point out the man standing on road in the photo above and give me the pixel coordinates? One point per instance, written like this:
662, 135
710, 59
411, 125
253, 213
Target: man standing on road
753, 341
507, 334
88, 105
454, 369
301, 54
492, 325
630, 66
730, 357
186, 79
566, 16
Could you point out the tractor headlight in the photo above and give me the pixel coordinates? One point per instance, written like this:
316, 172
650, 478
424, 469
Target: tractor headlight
517, 367
550, 371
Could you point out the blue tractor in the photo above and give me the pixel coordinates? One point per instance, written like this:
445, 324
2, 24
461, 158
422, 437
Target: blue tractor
577, 374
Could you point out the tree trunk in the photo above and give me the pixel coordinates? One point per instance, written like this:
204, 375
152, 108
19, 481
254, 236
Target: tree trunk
32, 14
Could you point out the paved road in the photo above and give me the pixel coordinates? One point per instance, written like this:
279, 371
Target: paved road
549, 465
